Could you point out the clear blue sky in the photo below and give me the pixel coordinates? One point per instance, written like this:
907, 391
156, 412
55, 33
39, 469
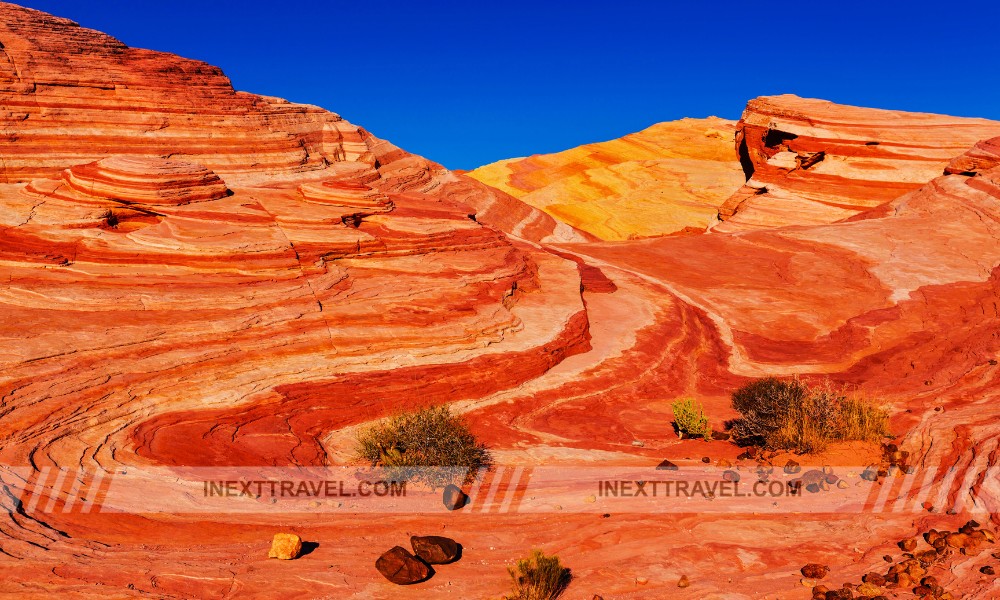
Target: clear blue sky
466, 85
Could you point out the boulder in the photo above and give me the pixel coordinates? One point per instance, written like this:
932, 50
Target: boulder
815, 571
285, 546
402, 568
434, 549
453, 497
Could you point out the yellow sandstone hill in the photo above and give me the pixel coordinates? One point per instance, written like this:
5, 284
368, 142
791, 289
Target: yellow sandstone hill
667, 179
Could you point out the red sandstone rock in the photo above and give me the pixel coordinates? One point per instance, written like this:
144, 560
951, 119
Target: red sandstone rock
259, 328
811, 161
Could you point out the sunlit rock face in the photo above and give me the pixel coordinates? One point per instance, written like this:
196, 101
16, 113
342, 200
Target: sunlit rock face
196, 277
811, 161
668, 179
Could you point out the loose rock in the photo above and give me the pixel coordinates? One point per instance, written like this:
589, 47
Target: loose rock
434, 549
815, 571
453, 497
285, 546
402, 568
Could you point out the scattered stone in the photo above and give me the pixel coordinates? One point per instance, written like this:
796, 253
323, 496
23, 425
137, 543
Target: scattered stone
969, 527
987, 570
590, 499
815, 571
434, 549
723, 464
453, 497
731, 475
285, 546
870, 473
606, 516
402, 568
958, 540
642, 580
887, 558
931, 535
637, 443
792, 467
869, 589
683, 582
908, 545
666, 465
842, 484
874, 579
706, 460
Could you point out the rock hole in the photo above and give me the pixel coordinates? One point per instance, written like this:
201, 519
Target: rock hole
745, 161
774, 138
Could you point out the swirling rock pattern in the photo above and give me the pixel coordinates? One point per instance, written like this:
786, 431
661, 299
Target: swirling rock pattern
229, 315
810, 161
670, 178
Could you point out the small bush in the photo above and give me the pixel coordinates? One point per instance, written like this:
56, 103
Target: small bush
429, 437
788, 415
690, 419
764, 405
538, 577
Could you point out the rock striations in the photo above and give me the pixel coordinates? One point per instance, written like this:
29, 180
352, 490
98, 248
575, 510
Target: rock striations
670, 178
71, 95
811, 161
171, 299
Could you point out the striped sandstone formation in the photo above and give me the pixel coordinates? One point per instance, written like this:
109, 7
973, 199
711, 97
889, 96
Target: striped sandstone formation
172, 300
670, 178
811, 161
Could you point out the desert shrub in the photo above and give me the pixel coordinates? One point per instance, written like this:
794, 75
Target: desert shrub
808, 425
538, 577
690, 419
789, 415
764, 405
428, 437
860, 418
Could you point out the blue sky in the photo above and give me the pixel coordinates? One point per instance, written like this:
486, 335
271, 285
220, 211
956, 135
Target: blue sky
465, 85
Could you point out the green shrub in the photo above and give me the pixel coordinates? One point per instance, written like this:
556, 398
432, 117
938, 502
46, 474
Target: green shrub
538, 577
429, 437
690, 419
788, 415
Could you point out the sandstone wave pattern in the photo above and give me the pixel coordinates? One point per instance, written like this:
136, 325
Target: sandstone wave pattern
668, 179
171, 299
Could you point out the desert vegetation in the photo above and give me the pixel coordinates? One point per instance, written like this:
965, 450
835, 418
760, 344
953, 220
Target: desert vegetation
780, 414
538, 577
690, 419
428, 437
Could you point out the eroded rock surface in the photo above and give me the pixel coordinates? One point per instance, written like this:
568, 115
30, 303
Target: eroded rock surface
668, 179
810, 161
165, 302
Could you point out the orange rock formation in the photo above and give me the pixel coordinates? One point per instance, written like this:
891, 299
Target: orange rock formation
670, 178
811, 161
169, 300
